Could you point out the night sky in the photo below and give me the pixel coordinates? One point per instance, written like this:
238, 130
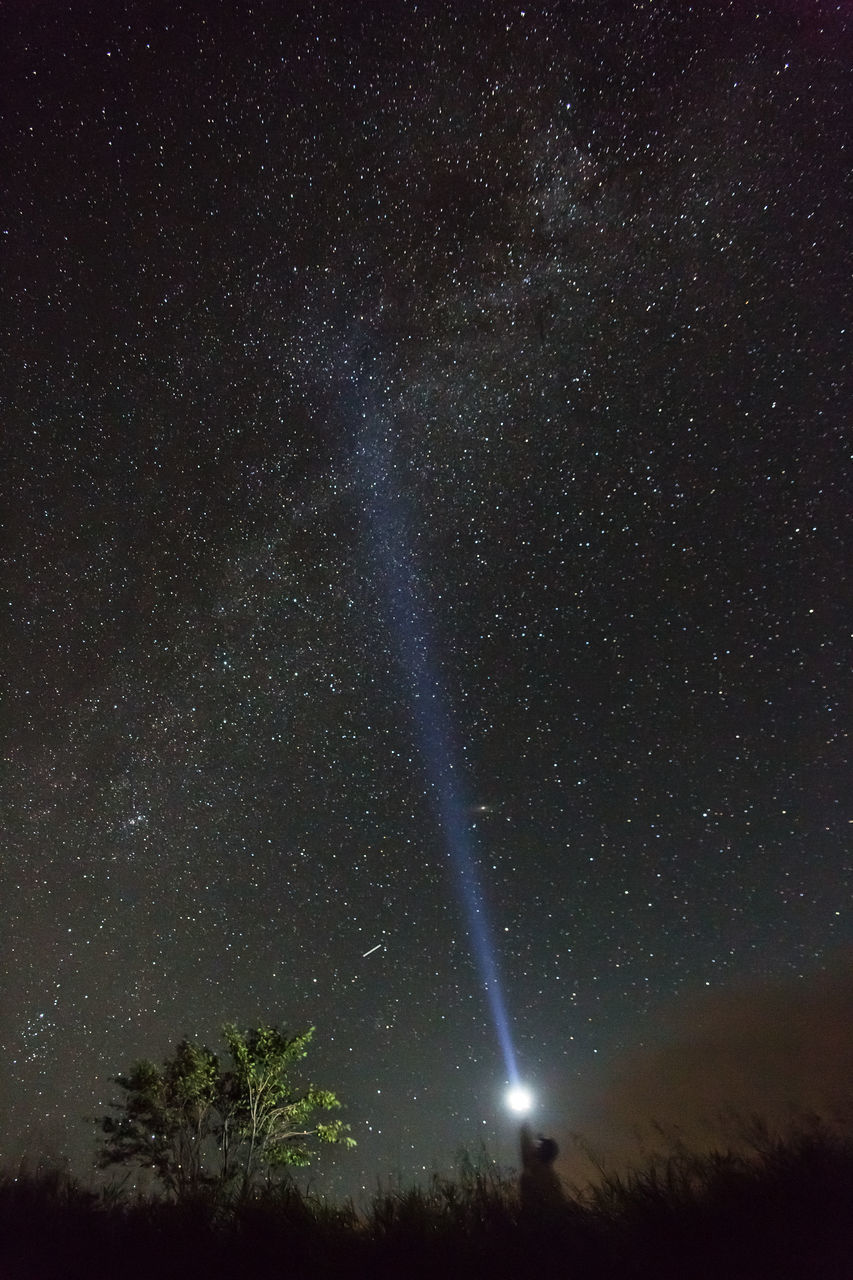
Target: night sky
422, 469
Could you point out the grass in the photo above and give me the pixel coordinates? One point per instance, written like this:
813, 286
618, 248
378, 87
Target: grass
781, 1208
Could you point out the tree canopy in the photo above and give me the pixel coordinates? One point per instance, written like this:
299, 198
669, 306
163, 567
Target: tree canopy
201, 1125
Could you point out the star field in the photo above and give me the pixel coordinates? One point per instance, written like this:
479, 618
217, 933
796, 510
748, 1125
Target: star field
584, 270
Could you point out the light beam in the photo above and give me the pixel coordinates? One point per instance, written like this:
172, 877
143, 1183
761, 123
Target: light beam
409, 624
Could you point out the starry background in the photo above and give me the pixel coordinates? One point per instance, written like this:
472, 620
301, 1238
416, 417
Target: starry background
581, 271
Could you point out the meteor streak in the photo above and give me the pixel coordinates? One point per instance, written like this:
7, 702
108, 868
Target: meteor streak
371, 951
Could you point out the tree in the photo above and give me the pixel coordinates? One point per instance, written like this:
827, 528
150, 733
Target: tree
203, 1128
271, 1124
166, 1118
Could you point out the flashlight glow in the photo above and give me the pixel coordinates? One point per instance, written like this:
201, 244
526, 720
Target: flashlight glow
519, 1099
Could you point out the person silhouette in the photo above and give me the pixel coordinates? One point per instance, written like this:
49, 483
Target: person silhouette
539, 1185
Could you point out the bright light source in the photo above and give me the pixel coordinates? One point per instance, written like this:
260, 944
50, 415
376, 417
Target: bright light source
519, 1099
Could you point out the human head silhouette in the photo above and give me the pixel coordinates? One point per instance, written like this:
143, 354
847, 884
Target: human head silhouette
546, 1149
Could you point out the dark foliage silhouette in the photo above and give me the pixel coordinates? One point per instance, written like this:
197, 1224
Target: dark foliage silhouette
781, 1209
